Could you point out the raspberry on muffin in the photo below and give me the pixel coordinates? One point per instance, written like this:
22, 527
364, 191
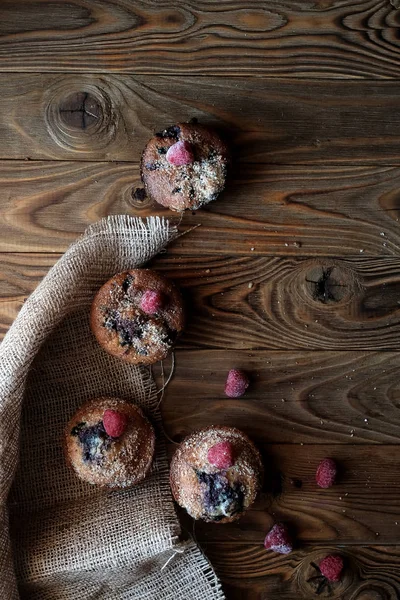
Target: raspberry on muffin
109, 442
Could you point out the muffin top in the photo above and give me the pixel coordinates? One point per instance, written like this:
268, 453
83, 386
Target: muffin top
137, 316
216, 473
185, 166
109, 442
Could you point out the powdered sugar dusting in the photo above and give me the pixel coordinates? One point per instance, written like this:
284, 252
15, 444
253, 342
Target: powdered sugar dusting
191, 459
124, 328
278, 539
200, 181
185, 184
123, 461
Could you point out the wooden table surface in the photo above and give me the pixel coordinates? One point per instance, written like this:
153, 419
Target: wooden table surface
294, 272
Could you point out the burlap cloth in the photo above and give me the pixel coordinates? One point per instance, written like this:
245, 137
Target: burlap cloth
59, 537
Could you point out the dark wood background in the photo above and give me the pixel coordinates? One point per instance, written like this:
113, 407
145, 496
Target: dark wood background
293, 274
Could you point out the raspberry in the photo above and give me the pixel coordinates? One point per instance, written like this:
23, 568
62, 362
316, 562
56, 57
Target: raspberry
331, 567
278, 539
114, 423
236, 384
152, 301
180, 154
221, 455
326, 473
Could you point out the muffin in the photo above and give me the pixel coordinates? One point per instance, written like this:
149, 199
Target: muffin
216, 473
109, 442
137, 316
184, 166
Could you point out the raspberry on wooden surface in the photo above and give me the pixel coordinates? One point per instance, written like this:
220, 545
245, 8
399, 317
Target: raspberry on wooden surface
236, 384
326, 473
331, 567
278, 539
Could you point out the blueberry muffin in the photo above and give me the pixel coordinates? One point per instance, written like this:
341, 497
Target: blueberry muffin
184, 166
216, 473
109, 442
137, 316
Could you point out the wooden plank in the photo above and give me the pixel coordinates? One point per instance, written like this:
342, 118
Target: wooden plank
286, 210
294, 397
248, 572
358, 385
362, 508
111, 117
287, 303
252, 302
19, 276
290, 38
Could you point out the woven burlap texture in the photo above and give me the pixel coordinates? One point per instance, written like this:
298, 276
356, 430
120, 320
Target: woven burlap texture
59, 537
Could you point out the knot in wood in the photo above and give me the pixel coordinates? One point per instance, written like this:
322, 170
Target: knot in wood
311, 582
80, 116
80, 110
327, 284
139, 199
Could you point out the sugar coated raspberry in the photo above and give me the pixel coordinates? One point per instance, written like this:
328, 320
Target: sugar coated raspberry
278, 539
114, 422
180, 154
236, 383
221, 455
152, 301
331, 567
326, 473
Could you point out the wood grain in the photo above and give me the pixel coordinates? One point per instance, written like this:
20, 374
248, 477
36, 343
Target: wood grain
339, 388
362, 508
286, 121
287, 303
248, 303
19, 276
286, 210
293, 274
248, 572
294, 397
290, 38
